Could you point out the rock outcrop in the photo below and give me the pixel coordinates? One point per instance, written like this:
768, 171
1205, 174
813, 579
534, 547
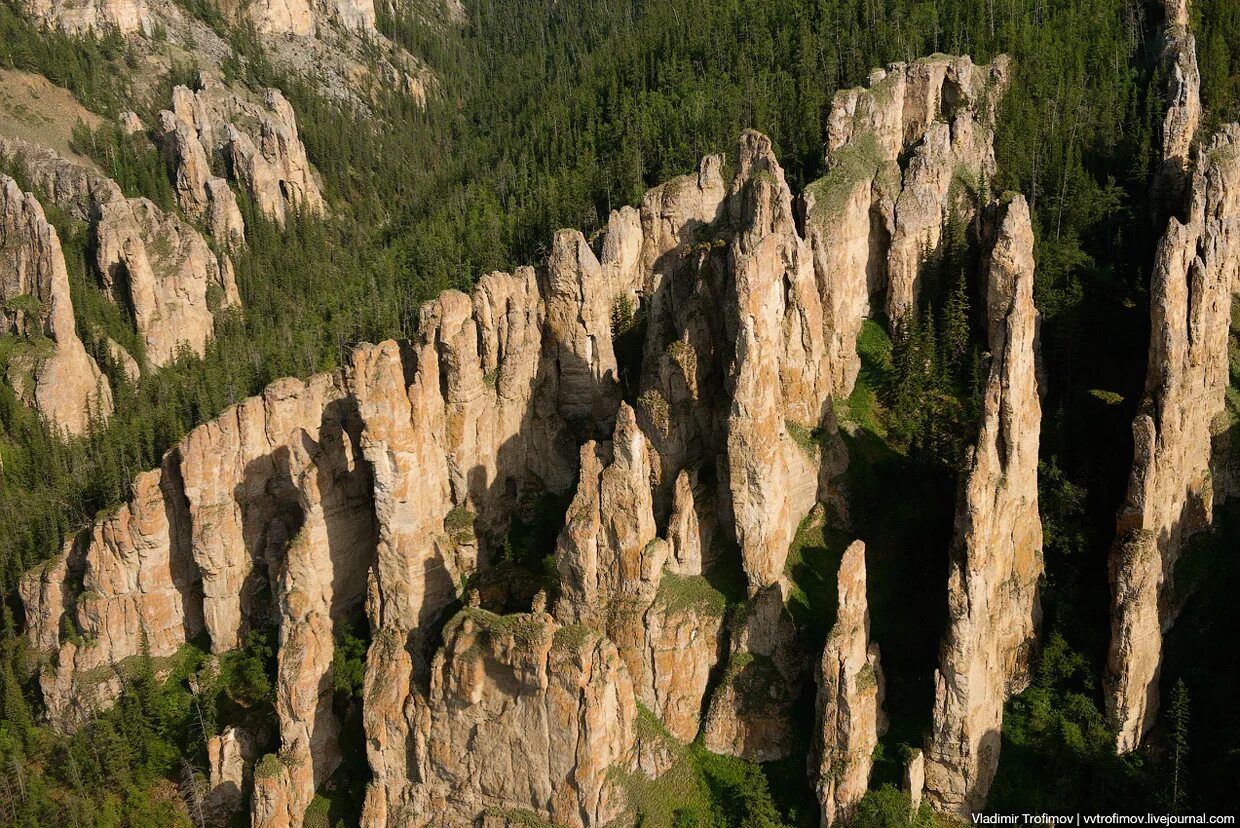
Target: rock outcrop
159, 267
320, 582
666, 627
996, 555
78, 188
98, 16
903, 154
256, 142
51, 370
1171, 489
1179, 55
520, 713
150, 262
850, 697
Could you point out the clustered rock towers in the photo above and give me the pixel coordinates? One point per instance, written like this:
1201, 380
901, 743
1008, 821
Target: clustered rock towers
386, 488
149, 261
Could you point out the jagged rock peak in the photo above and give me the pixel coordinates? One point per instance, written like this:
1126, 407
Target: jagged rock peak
51, 370
850, 697
149, 261
1171, 489
940, 112
256, 142
996, 556
159, 266
1179, 54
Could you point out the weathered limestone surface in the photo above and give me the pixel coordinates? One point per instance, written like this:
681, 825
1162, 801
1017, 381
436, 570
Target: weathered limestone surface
612, 576
1171, 490
150, 262
244, 505
1179, 54
850, 697
76, 187
257, 144
996, 556
98, 16
160, 268
52, 371
524, 713
226, 773
873, 216
320, 582
750, 713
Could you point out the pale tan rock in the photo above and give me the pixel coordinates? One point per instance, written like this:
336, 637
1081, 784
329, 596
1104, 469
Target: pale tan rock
200, 194
774, 482
320, 582
941, 111
612, 579
850, 697
98, 16
1171, 489
259, 144
226, 773
750, 713
140, 580
158, 266
243, 505
524, 714
1179, 55
77, 187
996, 556
53, 372
128, 365
915, 779
43, 600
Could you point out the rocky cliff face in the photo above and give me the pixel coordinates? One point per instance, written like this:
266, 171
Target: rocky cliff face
98, 16
521, 713
675, 378
996, 556
217, 127
850, 697
51, 370
902, 155
162, 270
1171, 490
153, 264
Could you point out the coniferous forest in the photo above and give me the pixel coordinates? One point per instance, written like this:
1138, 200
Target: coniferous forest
549, 115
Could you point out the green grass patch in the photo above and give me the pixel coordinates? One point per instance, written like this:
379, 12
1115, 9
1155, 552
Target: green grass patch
691, 593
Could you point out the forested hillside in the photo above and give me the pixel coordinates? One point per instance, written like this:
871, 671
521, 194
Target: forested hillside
550, 115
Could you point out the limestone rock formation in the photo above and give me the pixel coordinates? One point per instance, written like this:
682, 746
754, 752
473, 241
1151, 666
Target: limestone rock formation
150, 262
52, 370
98, 16
160, 268
1171, 489
257, 143
78, 188
321, 582
666, 628
1183, 86
750, 713
226, 769
873, 216
850, 696
996, 555
521, 713
244, 504
774, 481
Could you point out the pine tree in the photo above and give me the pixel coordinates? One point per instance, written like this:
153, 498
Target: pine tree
1178, 714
